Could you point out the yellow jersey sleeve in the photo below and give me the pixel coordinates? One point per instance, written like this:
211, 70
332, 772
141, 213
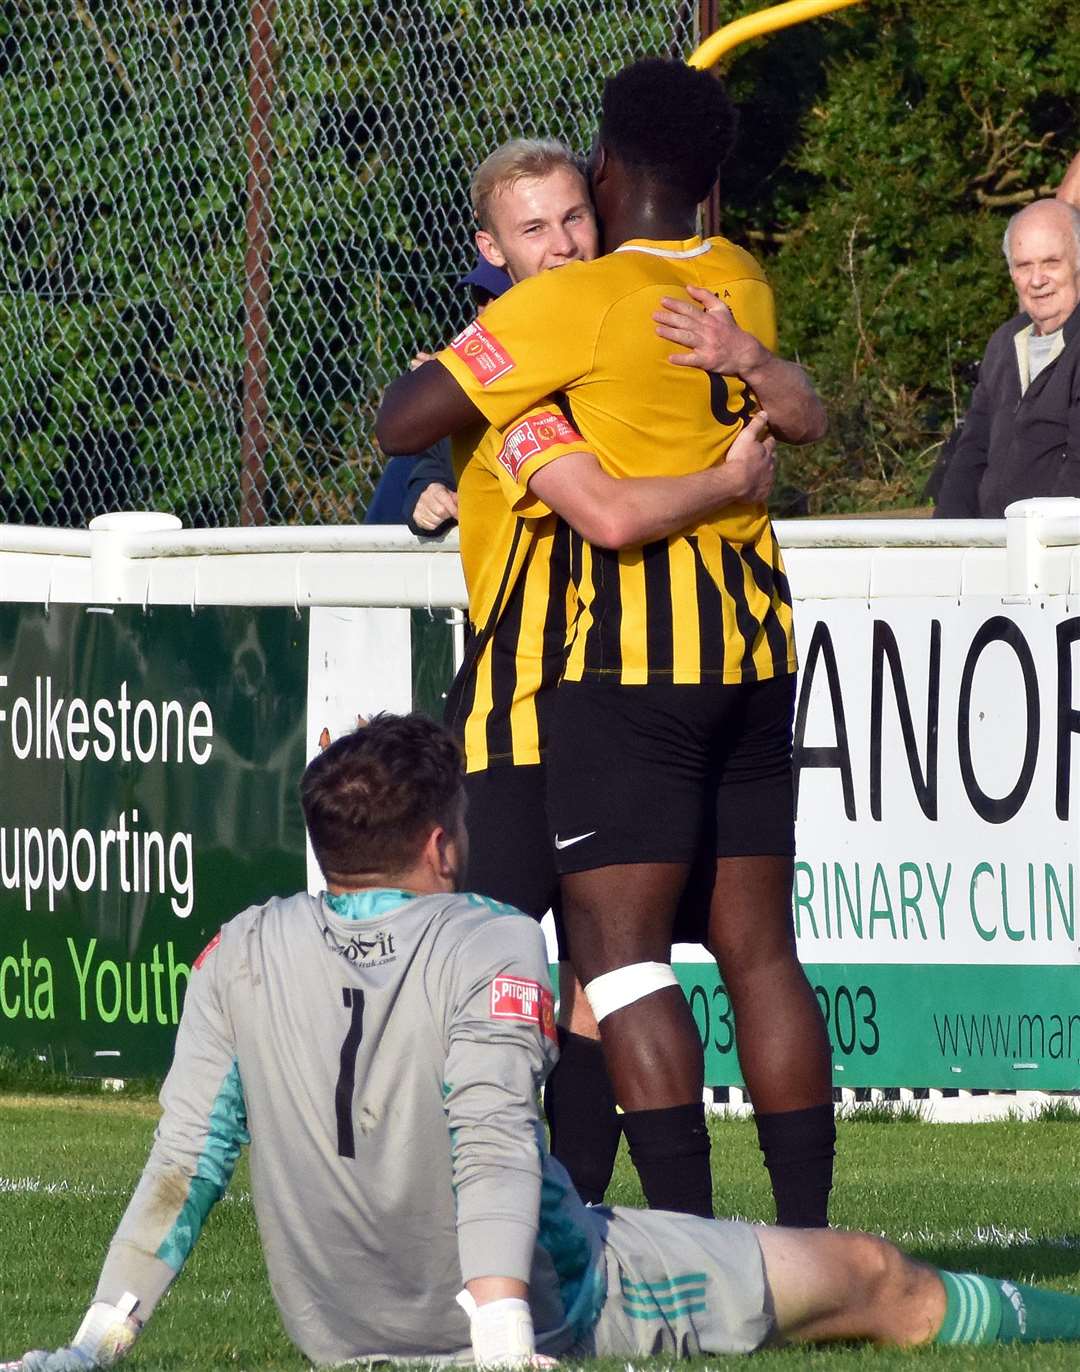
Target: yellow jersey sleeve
536, 339
750, 300
528, 445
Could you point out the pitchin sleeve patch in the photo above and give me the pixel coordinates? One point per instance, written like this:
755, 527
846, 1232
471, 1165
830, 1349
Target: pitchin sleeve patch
482, 353
535, 435
525, 1001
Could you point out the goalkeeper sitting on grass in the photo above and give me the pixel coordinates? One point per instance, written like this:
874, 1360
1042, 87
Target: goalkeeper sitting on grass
381, 1047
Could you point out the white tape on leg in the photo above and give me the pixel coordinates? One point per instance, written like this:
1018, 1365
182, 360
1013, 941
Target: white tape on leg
613, 991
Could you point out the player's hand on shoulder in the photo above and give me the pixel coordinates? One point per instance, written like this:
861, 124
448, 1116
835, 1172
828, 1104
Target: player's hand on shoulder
420, 359
751, 459
704, 325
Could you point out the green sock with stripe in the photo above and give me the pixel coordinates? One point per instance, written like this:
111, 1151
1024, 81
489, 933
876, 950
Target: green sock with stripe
988, 1310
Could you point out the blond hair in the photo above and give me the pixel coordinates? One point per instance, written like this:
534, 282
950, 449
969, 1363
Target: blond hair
517, 160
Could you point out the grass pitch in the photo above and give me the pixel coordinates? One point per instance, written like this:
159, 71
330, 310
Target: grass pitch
998, 1198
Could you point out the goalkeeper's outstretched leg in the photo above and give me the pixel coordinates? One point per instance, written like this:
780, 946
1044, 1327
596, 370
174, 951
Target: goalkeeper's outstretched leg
830, 1285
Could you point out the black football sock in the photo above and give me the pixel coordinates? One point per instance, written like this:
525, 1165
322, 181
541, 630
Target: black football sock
580, 1108
799, 1147
670, 1149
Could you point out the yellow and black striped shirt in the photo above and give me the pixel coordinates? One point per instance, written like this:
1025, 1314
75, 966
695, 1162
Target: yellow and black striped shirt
711, 603
516, 557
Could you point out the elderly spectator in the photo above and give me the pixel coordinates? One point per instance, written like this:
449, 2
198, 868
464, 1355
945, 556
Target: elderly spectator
1021, 436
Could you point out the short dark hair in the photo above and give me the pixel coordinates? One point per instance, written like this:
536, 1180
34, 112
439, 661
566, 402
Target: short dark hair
671, 122
372, 798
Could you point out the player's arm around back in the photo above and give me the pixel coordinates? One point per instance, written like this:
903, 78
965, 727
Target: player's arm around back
420, 407
624, 512
522, 350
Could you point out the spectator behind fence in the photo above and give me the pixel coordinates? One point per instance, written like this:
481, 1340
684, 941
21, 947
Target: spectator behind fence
388, 497
431, 492
420, 489
1021, 436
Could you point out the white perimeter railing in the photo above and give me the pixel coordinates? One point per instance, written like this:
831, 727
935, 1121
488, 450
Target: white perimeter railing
149, 558
129, 558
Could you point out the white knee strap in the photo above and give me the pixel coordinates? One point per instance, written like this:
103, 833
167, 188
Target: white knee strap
613, 990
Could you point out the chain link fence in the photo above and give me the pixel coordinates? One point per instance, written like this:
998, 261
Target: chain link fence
227, 223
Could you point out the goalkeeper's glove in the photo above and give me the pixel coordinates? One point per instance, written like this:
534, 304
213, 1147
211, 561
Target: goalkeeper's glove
104, 1336
502, 1333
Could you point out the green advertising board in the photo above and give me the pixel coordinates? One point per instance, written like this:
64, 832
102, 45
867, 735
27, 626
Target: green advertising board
920, 1025
149, 761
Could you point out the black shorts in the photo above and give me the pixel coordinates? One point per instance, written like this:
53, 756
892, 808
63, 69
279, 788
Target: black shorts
510, 854
663, 773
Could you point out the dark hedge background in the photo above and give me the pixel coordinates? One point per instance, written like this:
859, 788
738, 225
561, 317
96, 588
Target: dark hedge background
882, 151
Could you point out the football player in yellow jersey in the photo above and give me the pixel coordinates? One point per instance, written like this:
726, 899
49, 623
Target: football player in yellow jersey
532, 203
673, 726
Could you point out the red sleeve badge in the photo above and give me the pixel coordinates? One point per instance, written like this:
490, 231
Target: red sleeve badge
482, 353
534, 435
528, 1002
207, 950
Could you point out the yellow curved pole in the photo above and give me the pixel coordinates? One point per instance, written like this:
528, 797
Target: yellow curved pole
754, 25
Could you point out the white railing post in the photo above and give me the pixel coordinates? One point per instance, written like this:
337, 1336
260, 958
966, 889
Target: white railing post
107, 557
1024, 544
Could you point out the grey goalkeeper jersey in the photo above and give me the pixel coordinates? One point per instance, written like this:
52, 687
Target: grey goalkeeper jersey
384, 1069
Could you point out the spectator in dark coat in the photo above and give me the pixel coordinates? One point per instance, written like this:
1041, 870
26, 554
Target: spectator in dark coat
1021, 436
420, 489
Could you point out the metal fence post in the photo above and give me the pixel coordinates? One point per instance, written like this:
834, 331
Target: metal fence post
254, 439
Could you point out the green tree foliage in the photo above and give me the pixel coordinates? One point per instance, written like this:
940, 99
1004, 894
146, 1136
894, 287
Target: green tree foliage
119, 181
882, 154
123, 160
